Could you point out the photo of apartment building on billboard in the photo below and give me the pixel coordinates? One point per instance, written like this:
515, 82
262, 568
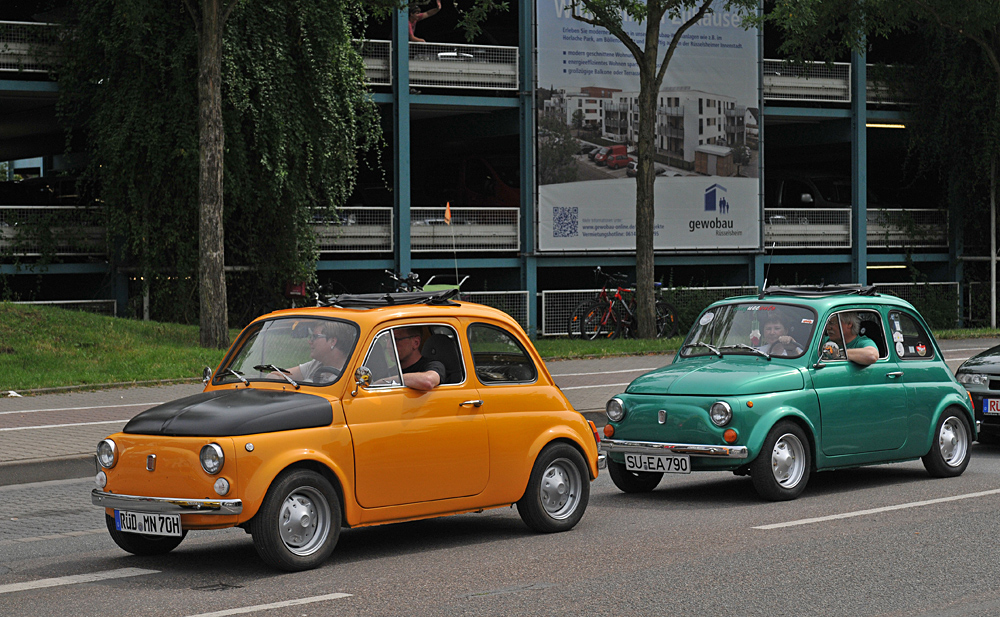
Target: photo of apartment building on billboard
706, 155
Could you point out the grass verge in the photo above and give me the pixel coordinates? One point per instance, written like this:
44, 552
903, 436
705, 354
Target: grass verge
47, 347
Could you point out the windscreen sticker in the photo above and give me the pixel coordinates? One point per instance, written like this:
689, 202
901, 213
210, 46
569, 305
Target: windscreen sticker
899, 349
897, 337
808, 321
921, 349
912, 350
706, 319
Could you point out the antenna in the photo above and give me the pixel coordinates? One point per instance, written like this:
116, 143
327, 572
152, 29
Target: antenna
767, 271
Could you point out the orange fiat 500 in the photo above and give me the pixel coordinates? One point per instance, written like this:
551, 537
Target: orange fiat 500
307, 426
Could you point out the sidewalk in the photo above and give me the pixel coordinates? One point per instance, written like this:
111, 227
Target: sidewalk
54, 436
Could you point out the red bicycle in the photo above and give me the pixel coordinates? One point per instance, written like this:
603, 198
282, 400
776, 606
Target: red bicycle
612, 313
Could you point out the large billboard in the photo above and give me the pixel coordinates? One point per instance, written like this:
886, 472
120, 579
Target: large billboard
706, 193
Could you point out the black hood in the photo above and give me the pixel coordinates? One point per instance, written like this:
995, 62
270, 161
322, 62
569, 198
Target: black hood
984, 362
233, 412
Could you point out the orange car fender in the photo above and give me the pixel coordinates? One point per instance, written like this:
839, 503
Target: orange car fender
564, 433
334, 452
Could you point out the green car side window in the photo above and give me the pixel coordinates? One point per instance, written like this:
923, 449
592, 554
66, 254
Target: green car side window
909, 338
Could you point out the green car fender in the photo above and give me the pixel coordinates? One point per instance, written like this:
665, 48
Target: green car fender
948, 401
767, 421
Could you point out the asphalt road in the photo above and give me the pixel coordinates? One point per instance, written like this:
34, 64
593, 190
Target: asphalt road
884, 540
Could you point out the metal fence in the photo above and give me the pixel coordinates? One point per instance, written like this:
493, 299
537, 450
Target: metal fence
101, 307
446, 65
807, 227
377, 56
31, 231
894, 227
356, 229
820, 81
471, 229
557, 305
514, 303
28, 47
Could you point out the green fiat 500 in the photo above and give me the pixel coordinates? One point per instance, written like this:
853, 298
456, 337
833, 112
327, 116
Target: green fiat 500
793, 381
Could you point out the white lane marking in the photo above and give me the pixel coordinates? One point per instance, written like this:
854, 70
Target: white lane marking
29, 428
902, 506
601, 385
75, 579
267, 607
629, 370
4, 413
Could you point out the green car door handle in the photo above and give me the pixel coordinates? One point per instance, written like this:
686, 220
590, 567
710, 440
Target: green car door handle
894, 374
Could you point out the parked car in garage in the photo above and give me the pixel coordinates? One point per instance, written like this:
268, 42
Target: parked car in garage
779, 411
313, 423
980, 375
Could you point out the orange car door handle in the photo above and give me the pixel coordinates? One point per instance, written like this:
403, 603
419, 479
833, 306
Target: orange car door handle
894, 374
476, 403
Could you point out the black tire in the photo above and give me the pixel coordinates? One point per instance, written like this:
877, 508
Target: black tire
574, 325
309, 499
632, 481
601, 322
781, 470
666, 320
951, 446
558, 490
141, 544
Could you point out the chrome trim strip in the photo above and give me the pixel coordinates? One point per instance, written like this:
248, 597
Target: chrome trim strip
652, 447
165, 505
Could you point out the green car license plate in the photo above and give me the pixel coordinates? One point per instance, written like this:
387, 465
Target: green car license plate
148, 524
659, 463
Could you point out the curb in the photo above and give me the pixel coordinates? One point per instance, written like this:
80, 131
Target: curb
103, 386
41, 470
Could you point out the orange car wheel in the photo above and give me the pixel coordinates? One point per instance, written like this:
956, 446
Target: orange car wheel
558, 490
298, 523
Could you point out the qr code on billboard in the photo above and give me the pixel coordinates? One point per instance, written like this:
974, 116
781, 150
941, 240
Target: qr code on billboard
564, 222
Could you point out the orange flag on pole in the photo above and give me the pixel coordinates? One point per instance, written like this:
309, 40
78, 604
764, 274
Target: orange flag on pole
447, 213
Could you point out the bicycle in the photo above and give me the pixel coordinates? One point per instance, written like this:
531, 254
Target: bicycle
613, 315
411, 282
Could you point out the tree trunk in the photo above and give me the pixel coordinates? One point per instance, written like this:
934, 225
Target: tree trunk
645, 178
214, 326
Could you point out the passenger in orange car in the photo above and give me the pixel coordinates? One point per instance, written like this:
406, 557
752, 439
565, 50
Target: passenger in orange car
419, 373
328, 346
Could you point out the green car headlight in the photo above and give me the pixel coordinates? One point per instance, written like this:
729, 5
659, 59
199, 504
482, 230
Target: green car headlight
721, 413
615, 410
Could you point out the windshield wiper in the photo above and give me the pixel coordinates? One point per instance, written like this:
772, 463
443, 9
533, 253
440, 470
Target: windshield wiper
238, 375
277, 369
748, 348
705, 345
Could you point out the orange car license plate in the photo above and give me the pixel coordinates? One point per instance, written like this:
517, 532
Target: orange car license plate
148, 524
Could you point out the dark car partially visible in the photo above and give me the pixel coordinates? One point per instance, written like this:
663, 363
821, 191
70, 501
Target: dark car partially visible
980, 375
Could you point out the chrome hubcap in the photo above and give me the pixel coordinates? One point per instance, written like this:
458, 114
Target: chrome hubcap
560, 488
953, 441
304, 521
788, 460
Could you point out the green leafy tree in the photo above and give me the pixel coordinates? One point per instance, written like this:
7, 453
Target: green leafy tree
961, 99
611, 14
289, 93
556, 147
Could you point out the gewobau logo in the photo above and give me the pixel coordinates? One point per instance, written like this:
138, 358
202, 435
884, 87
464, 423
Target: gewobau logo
715, 201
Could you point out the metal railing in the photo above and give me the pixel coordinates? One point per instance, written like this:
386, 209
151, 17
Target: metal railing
445, 65
28, 47
816, 81
514, 303
355, 229
896, 227
31, 231
471, 229
799, 228
689, 301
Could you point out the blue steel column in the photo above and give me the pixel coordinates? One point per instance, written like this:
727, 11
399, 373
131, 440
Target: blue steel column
401, 137
859, 169
759, 272
526, 82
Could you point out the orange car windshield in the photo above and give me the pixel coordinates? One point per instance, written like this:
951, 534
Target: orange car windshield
308, 351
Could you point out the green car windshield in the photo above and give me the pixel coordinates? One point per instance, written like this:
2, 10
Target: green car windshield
771, 329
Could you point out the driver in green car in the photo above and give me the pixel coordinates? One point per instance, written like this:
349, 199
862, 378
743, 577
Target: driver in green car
841, 333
